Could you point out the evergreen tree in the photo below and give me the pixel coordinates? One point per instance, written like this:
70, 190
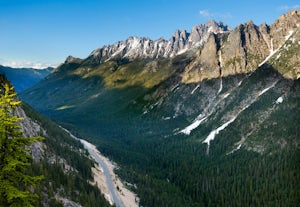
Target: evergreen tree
16, 187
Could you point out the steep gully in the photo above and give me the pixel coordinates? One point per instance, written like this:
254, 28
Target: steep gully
213, 133
200, 118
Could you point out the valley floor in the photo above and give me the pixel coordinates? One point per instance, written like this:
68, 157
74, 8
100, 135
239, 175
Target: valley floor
107, 180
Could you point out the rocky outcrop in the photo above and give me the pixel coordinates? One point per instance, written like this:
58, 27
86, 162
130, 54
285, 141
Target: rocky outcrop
30, 128
66, 202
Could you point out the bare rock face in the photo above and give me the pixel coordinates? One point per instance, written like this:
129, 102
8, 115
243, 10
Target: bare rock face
205, 65
201, 32
283, 26
66, 202
249, 45
246, 48
32, 129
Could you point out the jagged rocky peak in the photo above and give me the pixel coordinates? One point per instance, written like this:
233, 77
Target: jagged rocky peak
201, 31
136, 47
289, 19
251, 40
180, 34
284, 26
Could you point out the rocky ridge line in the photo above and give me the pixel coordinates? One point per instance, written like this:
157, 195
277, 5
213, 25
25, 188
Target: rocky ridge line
244, 49
141, 47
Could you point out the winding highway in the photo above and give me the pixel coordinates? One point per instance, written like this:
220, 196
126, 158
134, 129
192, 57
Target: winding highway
93, 152
109, 180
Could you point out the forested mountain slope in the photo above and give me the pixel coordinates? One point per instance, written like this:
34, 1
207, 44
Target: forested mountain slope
62, 161
214, 126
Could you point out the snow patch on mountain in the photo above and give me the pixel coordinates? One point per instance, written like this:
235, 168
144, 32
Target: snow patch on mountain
193, 91
266, 89
213, 133
279, 100
226, 95
221, 86
272, 51
289, 35
216, 131
193, 126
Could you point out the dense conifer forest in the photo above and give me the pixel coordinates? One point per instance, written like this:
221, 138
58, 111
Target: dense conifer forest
75, 184
49, 175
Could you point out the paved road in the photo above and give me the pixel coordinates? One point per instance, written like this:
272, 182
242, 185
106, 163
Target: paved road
109, 180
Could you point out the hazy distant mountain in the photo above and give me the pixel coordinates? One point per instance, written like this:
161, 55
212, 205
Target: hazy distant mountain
203, 119
23, 78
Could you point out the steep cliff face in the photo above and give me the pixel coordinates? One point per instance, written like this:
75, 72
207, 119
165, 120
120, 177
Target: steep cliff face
205, 63
31, 128
244, 50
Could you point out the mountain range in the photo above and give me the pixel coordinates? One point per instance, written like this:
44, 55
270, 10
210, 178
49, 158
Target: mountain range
206, 118
23, 78
135, 47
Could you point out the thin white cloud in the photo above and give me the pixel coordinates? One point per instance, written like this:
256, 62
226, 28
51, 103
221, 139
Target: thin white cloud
211, 15
288, 7
206, 14
26, 64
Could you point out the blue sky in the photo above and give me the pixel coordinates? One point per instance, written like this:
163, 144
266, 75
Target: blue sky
40, 33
